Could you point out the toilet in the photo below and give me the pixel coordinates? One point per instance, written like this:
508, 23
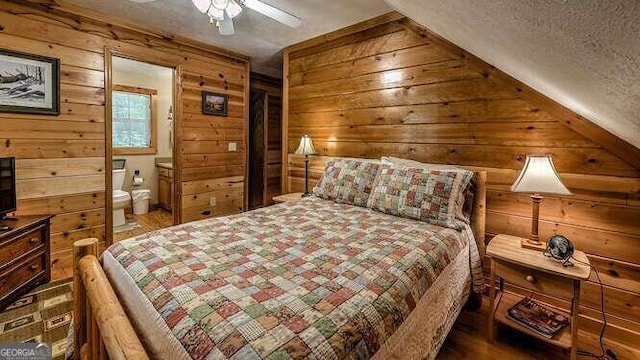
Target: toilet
121, 198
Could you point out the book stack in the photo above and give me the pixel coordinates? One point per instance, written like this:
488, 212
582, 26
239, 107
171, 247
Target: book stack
537, 318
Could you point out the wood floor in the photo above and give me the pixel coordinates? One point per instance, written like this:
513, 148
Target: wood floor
154, 220
468, 340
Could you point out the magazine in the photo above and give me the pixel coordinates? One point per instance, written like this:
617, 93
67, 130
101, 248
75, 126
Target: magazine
537, 318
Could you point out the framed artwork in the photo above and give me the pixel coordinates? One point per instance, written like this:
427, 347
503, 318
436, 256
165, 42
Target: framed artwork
214, 104
29, 83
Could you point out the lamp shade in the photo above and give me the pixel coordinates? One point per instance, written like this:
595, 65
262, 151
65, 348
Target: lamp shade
306, 146
539, 176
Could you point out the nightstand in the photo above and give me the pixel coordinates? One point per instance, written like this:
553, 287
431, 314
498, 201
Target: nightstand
287, 197
533, 271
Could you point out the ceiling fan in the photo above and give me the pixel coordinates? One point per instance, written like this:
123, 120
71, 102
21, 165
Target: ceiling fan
222, 12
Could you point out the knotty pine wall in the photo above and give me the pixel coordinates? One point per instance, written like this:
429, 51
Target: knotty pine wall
61, 159
389, 87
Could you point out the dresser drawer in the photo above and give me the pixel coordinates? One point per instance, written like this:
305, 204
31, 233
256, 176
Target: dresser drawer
21, 273
21, 245
534, 280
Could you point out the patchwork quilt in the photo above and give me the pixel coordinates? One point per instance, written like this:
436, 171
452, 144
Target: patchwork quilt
308, 279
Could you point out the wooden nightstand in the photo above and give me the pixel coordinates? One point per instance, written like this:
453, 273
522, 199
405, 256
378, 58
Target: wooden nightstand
287, 197
532, 270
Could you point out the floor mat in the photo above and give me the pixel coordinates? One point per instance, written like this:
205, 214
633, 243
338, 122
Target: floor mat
132, 225
43, 315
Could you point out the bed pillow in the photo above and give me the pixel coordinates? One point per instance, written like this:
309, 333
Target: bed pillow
420, 194
464, 203
398, 162
347, 181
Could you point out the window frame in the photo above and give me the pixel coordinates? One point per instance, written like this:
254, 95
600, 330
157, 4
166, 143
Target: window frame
153, 147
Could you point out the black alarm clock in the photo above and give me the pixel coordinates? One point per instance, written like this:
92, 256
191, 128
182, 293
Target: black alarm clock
560, 248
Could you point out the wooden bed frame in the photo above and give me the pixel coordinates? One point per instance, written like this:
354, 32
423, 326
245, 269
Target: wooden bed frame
101, 327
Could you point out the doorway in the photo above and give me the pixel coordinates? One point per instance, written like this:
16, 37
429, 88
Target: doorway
142, 103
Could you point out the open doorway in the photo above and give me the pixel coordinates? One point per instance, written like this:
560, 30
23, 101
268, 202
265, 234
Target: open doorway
142, 140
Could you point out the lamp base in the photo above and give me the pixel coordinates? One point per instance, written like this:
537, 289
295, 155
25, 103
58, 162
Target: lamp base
528, 244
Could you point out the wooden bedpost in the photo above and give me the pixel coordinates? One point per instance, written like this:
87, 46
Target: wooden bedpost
478, 225
81, 248
478, 214
100, 324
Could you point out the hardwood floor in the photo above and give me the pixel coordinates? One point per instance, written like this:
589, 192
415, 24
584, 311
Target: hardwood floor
154, 220
468, 340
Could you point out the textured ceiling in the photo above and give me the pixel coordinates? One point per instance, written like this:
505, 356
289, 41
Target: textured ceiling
584, 54
256, 35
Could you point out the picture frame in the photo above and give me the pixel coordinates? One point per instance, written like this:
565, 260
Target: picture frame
214, 103
29, 84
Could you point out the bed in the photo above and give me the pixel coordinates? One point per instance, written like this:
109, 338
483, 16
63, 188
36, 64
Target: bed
307, 279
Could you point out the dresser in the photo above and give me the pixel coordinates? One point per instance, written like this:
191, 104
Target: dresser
24, 256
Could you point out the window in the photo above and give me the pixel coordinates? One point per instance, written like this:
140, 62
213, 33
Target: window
133, 120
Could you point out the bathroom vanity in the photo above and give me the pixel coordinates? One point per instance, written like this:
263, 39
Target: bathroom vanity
165, 185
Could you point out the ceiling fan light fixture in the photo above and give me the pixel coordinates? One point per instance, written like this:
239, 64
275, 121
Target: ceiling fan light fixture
222, 12
226, 26
234, 9
220, 4
215, 14
202, 5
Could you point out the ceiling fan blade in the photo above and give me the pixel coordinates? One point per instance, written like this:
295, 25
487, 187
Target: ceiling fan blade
225, 26
274, 13
142, 1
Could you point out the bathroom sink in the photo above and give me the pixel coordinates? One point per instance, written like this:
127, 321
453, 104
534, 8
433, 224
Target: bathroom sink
166, 165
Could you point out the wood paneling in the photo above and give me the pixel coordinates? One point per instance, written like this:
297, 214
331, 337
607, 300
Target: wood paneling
390, 87
206, 139
62, 165
197, 195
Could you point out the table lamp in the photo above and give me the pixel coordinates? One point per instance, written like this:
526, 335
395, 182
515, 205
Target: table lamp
538, 176
306, 148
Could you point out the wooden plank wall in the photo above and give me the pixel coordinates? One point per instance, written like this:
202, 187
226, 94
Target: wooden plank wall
61, 159
209, 168
389, 87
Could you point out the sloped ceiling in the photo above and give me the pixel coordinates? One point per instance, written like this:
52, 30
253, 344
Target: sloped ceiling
585, 54
256, 35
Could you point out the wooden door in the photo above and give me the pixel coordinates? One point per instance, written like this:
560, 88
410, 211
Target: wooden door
257, 145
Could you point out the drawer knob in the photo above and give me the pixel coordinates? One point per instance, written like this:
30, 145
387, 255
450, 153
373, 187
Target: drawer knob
34, 240
530, 279
33, 267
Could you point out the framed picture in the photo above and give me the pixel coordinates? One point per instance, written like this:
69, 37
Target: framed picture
214, 104
29, 83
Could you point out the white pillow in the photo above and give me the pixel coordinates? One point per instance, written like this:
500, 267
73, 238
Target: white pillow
373, 161
398, 162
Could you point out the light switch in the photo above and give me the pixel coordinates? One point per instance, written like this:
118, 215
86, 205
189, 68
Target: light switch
233, 146
212, 201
